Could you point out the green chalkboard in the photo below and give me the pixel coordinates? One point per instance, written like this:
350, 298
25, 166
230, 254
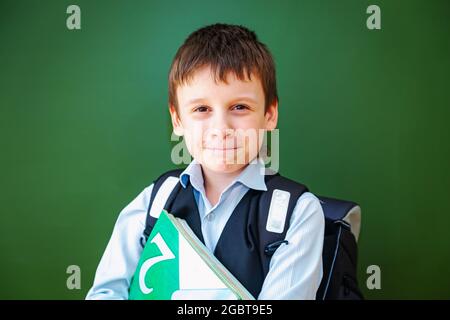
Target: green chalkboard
84, 126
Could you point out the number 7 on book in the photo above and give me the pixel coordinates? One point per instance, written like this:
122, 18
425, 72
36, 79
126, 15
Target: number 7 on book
167, 254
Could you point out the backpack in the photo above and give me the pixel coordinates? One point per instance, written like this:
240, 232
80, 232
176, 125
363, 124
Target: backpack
339, 255
340, 251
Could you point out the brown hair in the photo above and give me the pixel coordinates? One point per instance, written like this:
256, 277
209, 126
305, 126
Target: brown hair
225, 48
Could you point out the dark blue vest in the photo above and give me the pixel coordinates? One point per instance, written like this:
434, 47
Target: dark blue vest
245, 247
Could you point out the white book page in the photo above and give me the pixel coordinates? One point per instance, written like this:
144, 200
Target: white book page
194, 272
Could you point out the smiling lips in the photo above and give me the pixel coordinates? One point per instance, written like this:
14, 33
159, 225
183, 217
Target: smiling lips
220, 149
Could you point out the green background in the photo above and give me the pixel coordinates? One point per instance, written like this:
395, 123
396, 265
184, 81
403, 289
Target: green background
85, 128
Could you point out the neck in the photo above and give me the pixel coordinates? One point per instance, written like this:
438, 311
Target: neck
216, 182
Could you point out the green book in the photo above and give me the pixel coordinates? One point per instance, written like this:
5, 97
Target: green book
176, 265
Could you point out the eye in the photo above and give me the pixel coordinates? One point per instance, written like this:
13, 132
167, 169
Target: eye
240, 107
201, 109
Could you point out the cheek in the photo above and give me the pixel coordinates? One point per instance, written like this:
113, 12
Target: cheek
254, 129
254, 142
193, 138
256, 121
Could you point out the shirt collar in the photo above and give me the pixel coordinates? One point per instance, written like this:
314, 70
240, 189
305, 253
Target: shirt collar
253, 176
193, 174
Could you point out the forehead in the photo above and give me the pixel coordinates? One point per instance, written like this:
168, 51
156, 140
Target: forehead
204, 85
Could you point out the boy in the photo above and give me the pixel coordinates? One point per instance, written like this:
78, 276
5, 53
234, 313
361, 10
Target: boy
222, 86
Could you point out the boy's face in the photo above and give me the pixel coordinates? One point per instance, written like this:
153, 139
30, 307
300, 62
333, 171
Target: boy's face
222, 123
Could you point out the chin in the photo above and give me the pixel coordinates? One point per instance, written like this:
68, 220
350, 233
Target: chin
224, 162
222, 166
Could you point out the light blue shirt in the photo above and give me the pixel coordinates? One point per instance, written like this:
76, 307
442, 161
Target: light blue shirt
295, 269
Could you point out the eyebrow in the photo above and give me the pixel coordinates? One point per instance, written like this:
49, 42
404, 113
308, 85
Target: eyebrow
241, 98
194, 101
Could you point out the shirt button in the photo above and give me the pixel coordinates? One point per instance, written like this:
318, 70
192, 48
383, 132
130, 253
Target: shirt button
210, 217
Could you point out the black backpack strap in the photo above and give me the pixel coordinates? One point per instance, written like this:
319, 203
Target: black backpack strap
149, 219
274, 182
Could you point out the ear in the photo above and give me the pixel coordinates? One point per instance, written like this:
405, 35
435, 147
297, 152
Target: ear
271, 116
176, 122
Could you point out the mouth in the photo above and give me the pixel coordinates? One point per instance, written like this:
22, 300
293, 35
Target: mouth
220, 149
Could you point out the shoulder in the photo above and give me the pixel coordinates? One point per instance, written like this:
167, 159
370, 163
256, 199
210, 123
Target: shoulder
162, 177
141, 201
307, 205
308, 208
170, 173
279, 181
136, 209
308, 201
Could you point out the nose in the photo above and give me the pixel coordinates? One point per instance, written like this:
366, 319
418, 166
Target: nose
220, 127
